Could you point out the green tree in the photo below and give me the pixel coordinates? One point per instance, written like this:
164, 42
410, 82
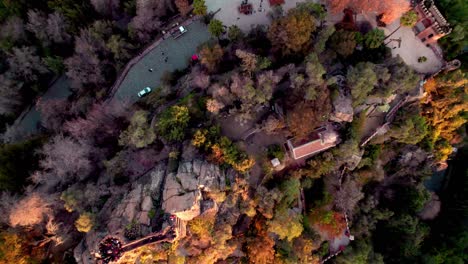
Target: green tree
408, 231
316, 9
374, 38
361, 79
55, 64
77, 13
290, 189
235, 33
173, 123
85, 222
360, 252
216, 28
408, 129
402, 78
139, 133
409, 19
17, 162
286, 223
343, 42
199, 7
322, 38
315, 81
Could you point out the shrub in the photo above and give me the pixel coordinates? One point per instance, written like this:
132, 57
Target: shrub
132, 230
235, 33
199, 7
202, 226
275, 151
151, 213
70, 200
139, 133
222, 149
216, 27
85, 222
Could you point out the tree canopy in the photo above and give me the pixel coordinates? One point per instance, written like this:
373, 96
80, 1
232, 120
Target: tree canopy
292, 33
173, 122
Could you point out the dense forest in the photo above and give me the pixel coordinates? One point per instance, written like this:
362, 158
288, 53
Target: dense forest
212, 145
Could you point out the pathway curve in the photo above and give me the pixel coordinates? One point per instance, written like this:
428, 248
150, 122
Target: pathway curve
165, 55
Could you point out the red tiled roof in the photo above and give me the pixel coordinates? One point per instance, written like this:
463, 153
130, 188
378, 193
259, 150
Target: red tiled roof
310, 148
313, 144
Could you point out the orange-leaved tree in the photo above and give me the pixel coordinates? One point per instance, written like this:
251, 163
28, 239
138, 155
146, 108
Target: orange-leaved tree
443, 107
390, 9
211, 57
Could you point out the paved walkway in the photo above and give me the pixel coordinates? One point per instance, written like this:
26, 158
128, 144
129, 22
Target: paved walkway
27, 123
411, 49
178, 52
134, 77
230, 15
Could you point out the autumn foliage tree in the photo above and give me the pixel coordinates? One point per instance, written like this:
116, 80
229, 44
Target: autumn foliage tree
221, 149
183, 6
260, 248
249, 60
30, 211
85, 222
443, 108
306, 115
14, 249
213, 106
292, 33
390, 10
211, 57
329, 222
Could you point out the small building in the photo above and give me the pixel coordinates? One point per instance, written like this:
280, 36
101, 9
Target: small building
431, 24
318, 141
275, 162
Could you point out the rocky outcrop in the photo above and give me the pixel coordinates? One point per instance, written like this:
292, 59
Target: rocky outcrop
182, 193
342, 108
121, 209
137, 204
183, 190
